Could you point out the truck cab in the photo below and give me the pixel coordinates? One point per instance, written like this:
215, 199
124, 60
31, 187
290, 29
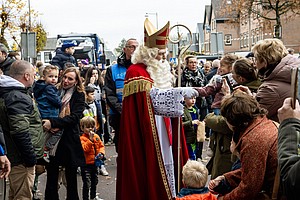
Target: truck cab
89, 46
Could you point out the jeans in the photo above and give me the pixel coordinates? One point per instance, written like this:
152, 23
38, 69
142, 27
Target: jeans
89, 174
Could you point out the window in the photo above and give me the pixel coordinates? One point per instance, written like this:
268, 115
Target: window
228, 39
47, 57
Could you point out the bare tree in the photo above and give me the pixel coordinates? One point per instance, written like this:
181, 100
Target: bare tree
270, 10
14, 16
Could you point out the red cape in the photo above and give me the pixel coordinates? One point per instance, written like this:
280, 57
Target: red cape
140, 168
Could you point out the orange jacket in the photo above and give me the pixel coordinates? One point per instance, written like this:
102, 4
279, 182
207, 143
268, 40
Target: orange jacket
206, 196
89, 147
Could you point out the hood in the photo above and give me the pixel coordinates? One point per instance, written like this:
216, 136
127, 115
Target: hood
8, 83
122, 60
5, 66
39, 87
58, 51
282, 71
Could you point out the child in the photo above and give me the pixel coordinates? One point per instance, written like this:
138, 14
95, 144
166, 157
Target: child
194, 177
49, 104
190, 121
93, 109
93, 151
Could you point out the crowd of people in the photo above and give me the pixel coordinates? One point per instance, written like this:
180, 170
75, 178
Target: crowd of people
62, 119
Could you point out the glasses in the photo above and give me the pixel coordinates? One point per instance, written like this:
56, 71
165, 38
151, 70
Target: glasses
131, 47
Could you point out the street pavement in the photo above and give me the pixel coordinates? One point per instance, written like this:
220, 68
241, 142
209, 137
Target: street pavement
107, 184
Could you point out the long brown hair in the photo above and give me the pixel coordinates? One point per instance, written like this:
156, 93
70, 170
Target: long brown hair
79, 85
88, 76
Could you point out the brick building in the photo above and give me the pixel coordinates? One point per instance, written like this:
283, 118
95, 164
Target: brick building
233, 29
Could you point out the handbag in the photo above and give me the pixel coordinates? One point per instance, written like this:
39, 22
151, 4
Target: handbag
201, 132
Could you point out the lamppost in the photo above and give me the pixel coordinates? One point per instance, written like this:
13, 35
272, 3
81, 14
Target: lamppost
29, 16
156, 15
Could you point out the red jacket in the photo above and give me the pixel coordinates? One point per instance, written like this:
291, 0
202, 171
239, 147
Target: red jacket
89, 147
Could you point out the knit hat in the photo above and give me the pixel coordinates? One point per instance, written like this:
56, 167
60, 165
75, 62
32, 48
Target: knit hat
68, 44
85, 62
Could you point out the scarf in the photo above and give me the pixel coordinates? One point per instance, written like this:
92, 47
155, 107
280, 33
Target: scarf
193, 78
66, 96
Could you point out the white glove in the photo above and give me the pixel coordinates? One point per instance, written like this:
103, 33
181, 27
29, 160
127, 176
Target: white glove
189, 92
167, 102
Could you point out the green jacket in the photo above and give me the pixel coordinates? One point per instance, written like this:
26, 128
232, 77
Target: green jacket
189, 130
221, 162
288, 157
21, 123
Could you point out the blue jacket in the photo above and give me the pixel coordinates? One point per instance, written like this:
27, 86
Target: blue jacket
47, 98
114, 100
61, 58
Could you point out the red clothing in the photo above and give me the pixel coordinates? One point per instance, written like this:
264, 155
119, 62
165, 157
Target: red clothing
207, 196
89, 147
140, 172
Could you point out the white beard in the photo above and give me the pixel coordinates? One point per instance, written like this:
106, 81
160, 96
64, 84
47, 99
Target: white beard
160, 73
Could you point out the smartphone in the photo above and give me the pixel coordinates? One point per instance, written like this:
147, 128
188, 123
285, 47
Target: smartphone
295, 86
229, 83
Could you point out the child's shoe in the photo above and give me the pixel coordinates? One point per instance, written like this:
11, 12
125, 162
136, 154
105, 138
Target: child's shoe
46, 156
103, 171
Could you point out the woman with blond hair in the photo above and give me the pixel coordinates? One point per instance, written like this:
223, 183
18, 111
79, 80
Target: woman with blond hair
69, 152
274, 65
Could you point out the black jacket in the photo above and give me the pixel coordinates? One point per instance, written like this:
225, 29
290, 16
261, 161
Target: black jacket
5, 66
61, 58
21, 123
69, 151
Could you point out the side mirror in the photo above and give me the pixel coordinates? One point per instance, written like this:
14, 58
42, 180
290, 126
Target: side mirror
107, 63
102, 59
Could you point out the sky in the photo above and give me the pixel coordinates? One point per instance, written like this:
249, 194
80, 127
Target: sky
114, 20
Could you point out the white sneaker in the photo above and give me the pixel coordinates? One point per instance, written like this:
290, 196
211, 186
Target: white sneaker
46, 156
97, 198
103, 171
